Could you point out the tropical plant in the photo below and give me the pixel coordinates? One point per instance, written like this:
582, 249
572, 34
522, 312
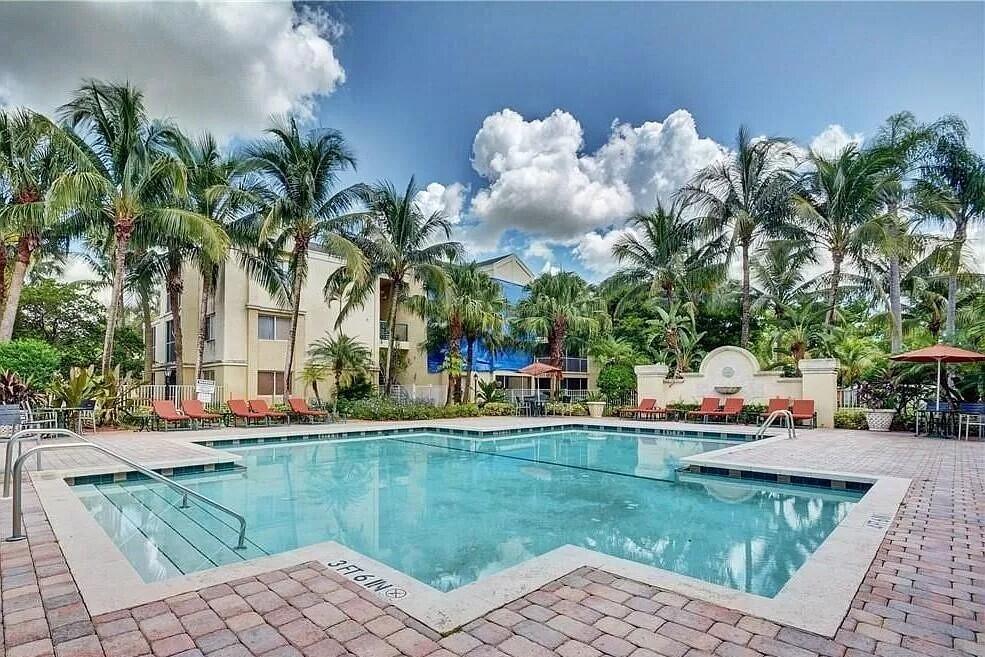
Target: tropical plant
397, 242
13, 390
124, 186
747, 197
673, 336
31, 359
779, 272
840, 196
347, 358
617, 382
489, 392
556, 306
665, 254
956, 173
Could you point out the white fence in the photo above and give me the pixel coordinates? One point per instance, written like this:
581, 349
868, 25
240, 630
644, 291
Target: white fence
426, 394
143, 395
848, 398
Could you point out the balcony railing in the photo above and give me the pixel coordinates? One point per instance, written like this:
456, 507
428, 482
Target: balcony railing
399, 332
569, 364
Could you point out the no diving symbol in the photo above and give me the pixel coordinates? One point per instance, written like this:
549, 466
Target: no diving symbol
395, 593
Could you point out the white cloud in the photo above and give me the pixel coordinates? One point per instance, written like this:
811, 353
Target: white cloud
217, 65
833, 140
542, 183
539, 249
594, 250
438, 198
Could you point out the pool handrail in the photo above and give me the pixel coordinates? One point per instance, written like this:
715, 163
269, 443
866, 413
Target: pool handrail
17, 533
786, 415
22, 435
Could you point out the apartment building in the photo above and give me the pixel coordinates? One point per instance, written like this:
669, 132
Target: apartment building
247, 334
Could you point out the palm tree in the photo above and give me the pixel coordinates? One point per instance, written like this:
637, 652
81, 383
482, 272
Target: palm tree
558, 305
747, 197
128, 186
484, 314
31, 159
296, 179
397, 242
667, 255
957, 173
674, 331
840, 197
347, 358
779, 269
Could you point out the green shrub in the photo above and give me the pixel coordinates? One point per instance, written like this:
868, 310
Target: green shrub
683, 406
498, 408
617, 382
850, 418
360, 388
562, 408
383, 408
34, 361
751, 413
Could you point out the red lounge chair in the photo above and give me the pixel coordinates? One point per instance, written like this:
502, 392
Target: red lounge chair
775, 404
645, 406
300, 408
733, 406
195, 410
166, 412
709, 407
803, 409
260, 406
241, 411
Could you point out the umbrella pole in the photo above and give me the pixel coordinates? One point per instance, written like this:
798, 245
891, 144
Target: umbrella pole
938, 384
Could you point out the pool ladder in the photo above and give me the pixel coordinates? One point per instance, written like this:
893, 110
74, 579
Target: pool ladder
14, 474
786, 415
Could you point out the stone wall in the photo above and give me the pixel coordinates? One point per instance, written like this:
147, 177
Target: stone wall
733, 371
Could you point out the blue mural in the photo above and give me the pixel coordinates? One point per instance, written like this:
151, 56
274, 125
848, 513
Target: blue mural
509, 361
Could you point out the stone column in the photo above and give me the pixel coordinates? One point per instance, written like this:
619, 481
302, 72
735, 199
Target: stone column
820, 383
650, 382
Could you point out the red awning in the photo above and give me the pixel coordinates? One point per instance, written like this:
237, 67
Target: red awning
539, 369
943, 353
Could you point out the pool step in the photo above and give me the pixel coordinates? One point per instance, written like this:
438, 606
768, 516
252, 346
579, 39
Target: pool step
159, 537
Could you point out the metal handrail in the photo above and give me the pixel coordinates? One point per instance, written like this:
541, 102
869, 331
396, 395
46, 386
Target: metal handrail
24, 434
17, 533
786, 415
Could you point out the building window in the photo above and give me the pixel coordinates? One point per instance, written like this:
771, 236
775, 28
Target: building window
209, 328
271, 327
270, 383
169, 354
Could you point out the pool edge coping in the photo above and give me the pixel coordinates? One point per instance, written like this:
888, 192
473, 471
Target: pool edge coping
108, 582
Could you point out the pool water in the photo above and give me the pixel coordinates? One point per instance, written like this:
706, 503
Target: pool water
449, 511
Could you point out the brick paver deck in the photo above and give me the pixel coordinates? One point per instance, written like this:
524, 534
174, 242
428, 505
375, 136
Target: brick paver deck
924, 594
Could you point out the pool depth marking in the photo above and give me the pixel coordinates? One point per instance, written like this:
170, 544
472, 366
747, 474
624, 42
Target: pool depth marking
367, 580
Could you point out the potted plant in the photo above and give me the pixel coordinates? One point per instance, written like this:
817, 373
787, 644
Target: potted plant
879, 419
879, 399
595, 403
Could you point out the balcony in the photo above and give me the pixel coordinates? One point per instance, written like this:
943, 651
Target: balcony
399, 332
570, 364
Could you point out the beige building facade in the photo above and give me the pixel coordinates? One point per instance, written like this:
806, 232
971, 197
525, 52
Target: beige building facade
247, 333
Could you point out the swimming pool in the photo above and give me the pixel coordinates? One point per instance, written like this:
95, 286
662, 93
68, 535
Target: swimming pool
450, 510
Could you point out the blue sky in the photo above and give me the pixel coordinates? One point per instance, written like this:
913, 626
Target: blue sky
421, 77
538, 127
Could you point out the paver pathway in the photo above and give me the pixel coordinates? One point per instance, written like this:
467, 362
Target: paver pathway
924, 594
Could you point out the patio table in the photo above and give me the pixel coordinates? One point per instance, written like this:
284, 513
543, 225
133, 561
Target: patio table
62, 413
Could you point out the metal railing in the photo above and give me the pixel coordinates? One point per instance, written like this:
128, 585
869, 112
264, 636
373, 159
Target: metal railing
427, 394
786, 415
143, 395
16, 475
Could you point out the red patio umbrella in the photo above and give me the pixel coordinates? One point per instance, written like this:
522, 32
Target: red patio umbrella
537, 368
939, 353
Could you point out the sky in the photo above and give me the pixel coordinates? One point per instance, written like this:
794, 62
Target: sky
538, 127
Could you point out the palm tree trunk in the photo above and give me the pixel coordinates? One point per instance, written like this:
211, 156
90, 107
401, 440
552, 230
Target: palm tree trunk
469, 366
146, 319
295, 314
124, 228
836, 259
174, 285
454, 351
391, 325
24, 249
203, 316
557, 339
895, 305
746, 299
960, 233
3, 274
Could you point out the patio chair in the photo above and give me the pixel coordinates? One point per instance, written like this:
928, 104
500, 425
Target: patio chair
646, 404
10, 419
709, 407
167, 414
775, 404
970, 415
241, 411
86, 415
260, 406
195, 409
31, 419
300, 408
733, 406
803, 409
